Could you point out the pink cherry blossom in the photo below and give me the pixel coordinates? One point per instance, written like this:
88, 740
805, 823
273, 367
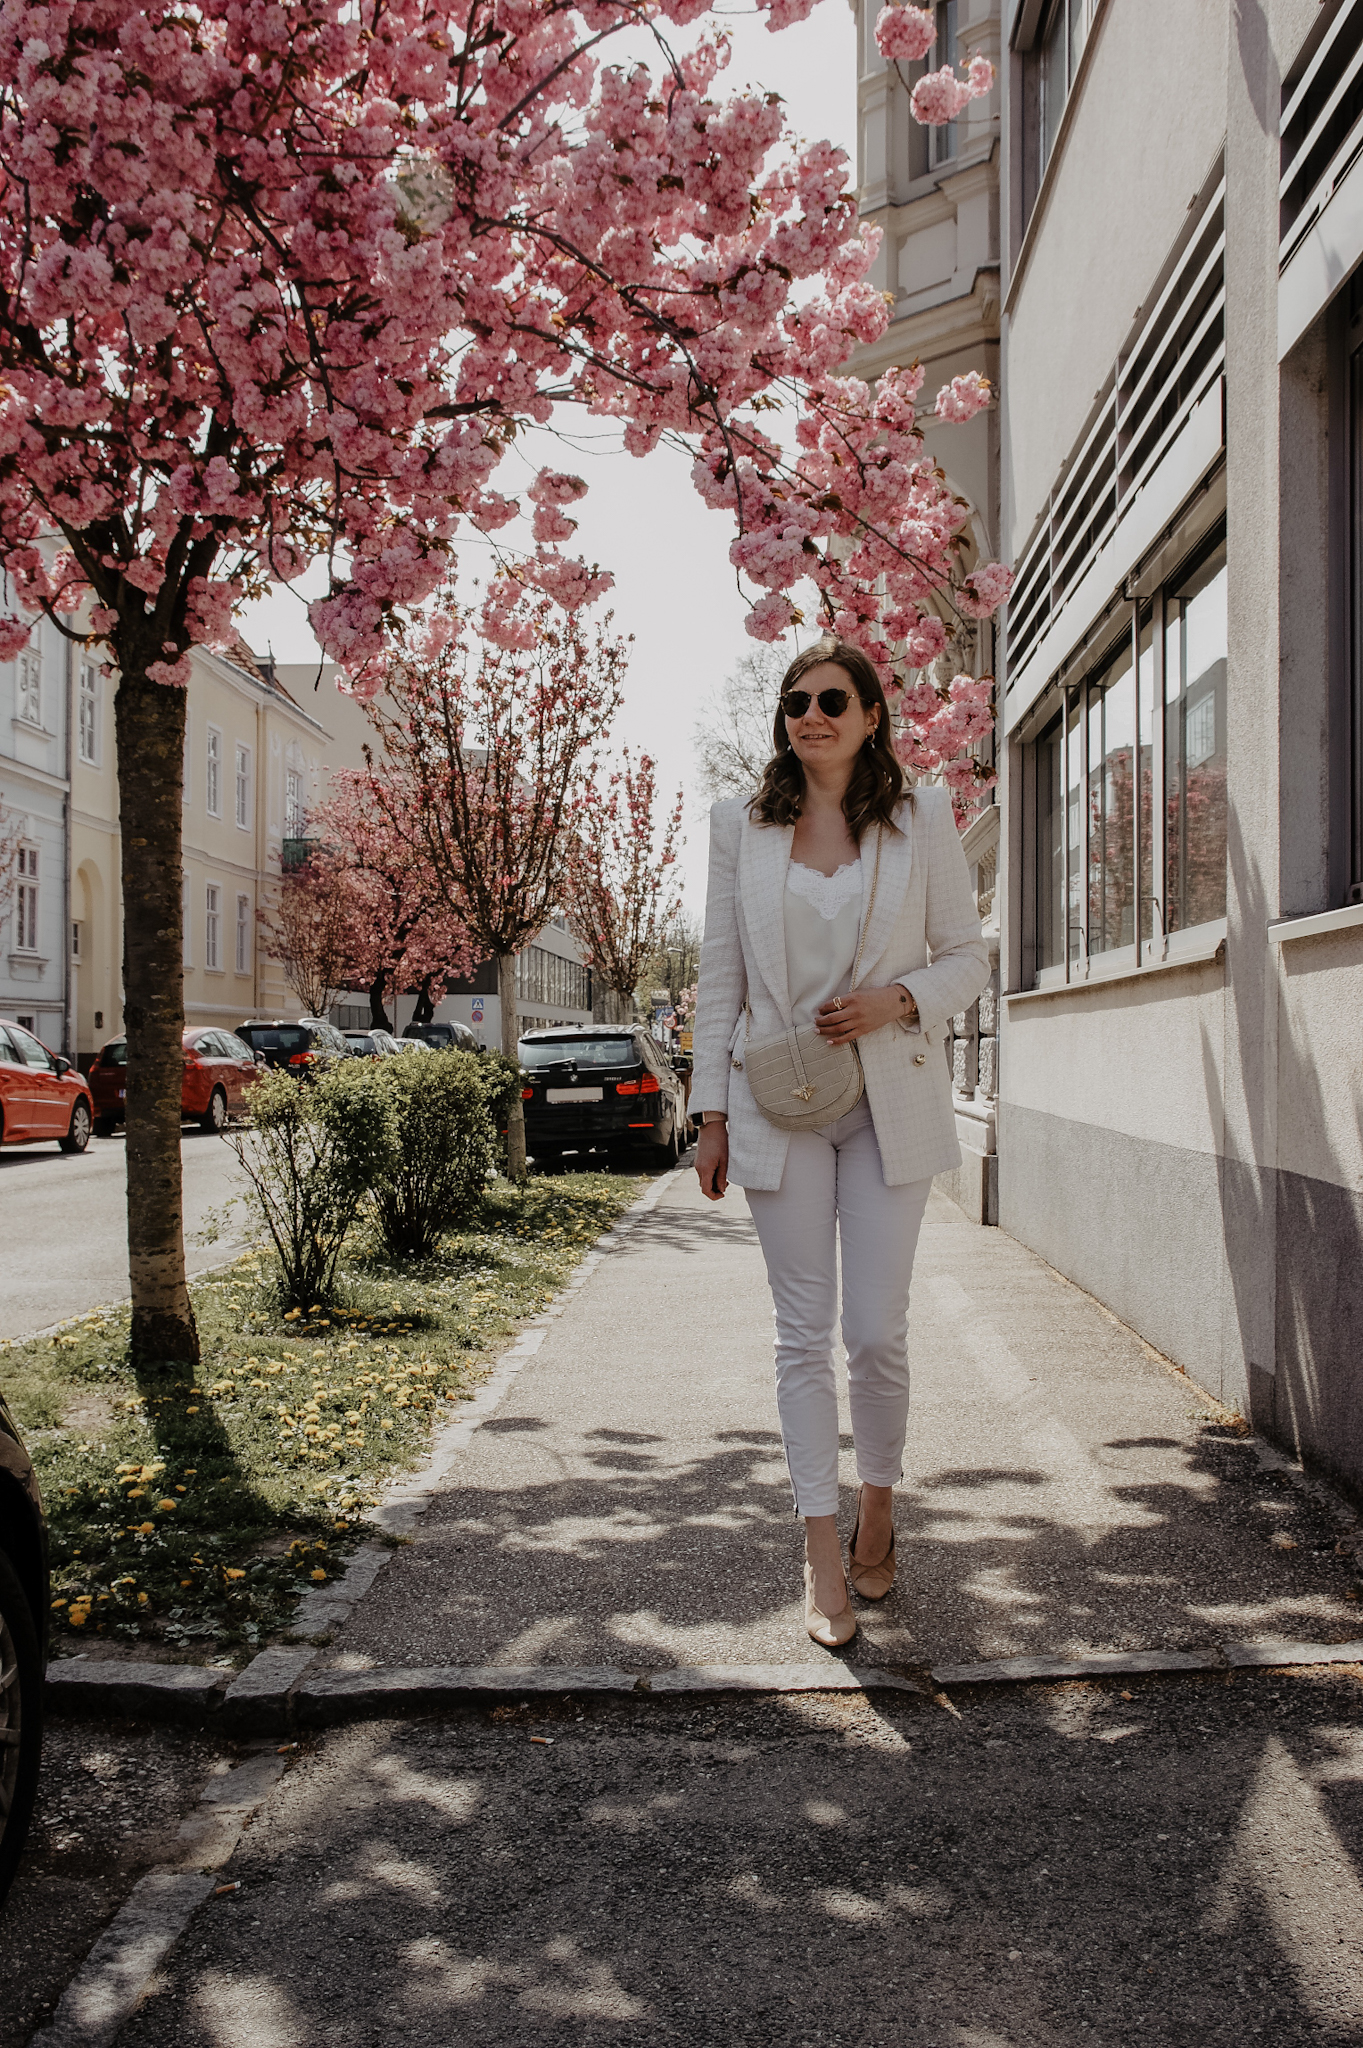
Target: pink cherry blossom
905, 33
963, 397
941, 96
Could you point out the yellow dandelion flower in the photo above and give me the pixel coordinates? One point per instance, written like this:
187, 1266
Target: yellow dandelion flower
234, 1571
318, 1575
164, 1504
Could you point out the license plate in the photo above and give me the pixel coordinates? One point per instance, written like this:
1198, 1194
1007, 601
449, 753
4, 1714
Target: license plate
572, 1095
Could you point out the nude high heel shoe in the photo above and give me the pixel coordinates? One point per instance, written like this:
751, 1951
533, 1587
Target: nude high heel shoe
830, 1630
871, 1581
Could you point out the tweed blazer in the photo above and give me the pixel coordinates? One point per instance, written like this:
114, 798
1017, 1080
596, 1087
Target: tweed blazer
924, 930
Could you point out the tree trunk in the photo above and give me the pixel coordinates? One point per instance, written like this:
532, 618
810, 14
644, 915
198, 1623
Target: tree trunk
150, 720
425, 1008
378, 1016
511, 1043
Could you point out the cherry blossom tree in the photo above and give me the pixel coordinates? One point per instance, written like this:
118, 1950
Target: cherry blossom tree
622, 891
404, 933
283, 281
487, 754
310, 928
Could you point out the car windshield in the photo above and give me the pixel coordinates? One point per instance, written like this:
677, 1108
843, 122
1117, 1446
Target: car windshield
115, 1055
584, 1052
279, 1038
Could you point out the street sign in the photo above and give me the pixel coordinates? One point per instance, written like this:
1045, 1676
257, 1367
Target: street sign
477, 1007
684, 1041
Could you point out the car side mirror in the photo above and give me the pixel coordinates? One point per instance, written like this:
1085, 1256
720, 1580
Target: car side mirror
261, 1060
61, 1065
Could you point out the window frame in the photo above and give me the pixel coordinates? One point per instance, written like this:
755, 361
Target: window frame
213, 928
295, 813
27, 897
88, 709
944, 141
28, 681
242, 787
213, 771
242, 944
1069, 699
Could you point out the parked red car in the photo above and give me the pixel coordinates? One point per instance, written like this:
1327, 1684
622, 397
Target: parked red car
42, 1097
219, 1069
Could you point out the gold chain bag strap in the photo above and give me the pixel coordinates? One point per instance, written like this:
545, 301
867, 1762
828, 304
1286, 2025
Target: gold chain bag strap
799, 1081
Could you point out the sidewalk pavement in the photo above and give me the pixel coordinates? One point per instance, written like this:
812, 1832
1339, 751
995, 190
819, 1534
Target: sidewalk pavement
1065, 1490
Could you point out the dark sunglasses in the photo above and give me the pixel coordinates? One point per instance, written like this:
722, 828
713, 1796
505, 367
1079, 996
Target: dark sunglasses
832, 703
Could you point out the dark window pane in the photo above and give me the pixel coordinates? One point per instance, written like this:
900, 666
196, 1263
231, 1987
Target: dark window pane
1050, 852
1195, 745
1074, 809
1112, 735
1145, 738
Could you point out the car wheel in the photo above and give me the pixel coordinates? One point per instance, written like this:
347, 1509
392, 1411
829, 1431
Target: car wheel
214, 1117
667, 1154
104, 1126
21, 1720
78, 1137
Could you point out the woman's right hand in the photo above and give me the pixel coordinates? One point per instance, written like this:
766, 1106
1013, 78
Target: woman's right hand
712, 1159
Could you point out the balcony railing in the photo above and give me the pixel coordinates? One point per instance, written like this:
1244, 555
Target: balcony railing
296, 853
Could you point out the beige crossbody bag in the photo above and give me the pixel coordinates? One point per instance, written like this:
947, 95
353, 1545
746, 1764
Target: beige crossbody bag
799, 1081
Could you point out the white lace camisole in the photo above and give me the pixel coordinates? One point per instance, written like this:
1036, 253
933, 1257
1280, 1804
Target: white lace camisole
823, 921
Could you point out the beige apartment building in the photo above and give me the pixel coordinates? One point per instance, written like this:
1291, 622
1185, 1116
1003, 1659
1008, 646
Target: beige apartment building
935, 195
256, 763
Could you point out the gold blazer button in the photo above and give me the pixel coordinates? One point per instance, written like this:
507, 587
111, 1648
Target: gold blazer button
920, 1059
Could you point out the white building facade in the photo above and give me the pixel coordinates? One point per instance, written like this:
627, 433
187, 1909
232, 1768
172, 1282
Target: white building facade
1181, 873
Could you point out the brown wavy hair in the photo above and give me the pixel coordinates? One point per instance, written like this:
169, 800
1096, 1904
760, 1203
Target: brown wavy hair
876, 785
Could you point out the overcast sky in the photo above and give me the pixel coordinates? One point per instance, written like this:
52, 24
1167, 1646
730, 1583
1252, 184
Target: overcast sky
674, 588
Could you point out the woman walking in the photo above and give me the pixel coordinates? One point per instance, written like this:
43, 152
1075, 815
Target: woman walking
840, 933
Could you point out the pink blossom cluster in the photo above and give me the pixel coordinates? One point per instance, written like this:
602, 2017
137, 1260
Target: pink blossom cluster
941, 96
937, 725
905, 33
963, 397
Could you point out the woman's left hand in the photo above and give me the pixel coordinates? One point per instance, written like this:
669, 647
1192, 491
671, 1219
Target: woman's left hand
845, 1018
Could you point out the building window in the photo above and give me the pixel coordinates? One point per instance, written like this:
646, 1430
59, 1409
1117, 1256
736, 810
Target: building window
1195, 746
1049, 53
213, 774
212, 926
75, 942
293, 803
186, 785
545, 977
30, 679
87, 714
184, 920
1118, 752
243, 935
942, 141
243, 787
1346, 853
26, 901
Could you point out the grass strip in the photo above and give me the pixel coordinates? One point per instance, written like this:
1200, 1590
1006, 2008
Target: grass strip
188, 1515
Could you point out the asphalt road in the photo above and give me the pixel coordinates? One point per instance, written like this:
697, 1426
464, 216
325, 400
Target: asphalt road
1077, 1866
64, 1223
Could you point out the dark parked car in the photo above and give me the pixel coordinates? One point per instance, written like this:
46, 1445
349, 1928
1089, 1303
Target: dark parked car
298, 1042
42, 1097
24, 1597
370, 1045
219, 1068
603, 1087
441, 1037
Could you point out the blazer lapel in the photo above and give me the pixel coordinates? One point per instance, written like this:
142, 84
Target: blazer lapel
763, 857
879, 919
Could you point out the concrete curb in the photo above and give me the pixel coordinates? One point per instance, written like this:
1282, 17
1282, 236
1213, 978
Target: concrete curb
282, 1697
116, 1973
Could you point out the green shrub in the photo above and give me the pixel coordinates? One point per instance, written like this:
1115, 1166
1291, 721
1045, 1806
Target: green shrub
502, 1081
312, 1152
437, 1172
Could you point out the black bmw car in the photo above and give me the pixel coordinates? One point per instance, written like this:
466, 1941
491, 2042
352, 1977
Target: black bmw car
24, 1594
603, 1088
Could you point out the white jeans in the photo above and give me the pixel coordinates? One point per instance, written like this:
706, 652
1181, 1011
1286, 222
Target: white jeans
833, 1181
